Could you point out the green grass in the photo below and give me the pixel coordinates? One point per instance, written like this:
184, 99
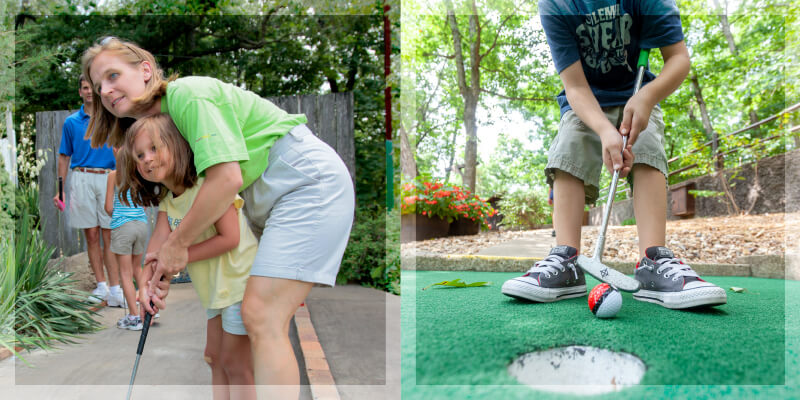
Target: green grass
458, 342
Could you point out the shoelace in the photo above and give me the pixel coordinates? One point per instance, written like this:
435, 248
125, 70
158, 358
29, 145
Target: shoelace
674, 268
551, 265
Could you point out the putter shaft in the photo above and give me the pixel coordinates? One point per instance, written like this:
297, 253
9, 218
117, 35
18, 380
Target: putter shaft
142, 338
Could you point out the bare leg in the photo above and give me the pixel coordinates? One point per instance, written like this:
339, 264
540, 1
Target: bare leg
568, 200
93, 249
212, 356
267, 309
110, 260
237, 361
127, 271
649, 206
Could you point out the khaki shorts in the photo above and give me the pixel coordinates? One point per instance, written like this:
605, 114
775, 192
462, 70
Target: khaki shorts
301, 209
130, 238
577, 150
86, 199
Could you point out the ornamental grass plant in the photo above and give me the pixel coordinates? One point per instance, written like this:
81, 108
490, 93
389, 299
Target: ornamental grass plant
47, 307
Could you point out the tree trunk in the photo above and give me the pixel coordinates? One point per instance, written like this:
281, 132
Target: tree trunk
471, 148
469, 92
707, 127
726, 27
408, 166
452, 154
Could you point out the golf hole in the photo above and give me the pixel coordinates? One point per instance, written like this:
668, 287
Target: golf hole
578, 370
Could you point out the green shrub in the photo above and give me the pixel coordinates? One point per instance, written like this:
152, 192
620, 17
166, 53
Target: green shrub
47, 305
629, 221
27, 202
371, 258
7, 292
524, 209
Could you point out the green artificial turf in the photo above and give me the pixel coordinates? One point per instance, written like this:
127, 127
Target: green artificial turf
458, 342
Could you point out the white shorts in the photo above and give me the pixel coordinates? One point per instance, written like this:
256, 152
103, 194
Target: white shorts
86, 199
302, 208
231, 318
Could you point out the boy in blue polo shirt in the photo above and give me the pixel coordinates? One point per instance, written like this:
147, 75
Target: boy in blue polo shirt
595, 46
86, 193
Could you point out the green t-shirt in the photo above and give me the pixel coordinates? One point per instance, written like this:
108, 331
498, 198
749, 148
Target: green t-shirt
224, 123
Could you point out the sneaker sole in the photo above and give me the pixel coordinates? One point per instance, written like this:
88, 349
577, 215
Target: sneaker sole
616, 279
526, 291
699, 297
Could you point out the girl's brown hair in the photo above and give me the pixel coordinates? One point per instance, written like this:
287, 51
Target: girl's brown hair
104, 126
165, 137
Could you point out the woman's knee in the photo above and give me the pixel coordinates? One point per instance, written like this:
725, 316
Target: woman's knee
261, 320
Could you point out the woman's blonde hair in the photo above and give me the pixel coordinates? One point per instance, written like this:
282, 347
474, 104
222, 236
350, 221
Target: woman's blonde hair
104, 127
165, 137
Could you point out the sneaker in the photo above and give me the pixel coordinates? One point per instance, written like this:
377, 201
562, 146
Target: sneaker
116, 299
557, 277
99, 294
669, 282
130, 322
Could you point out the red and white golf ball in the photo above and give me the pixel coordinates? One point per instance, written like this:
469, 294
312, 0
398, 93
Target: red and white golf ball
604, 301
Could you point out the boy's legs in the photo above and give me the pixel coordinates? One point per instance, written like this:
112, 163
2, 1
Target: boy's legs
568, 199
109, 259
649, 206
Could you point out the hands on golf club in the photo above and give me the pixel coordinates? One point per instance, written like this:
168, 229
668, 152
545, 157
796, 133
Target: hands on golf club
170, 259
636, 115
613, 155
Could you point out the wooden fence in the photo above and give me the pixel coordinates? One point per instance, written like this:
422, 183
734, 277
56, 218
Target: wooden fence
330, 117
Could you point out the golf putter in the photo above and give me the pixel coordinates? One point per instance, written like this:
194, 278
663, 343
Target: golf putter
142, 338
594, 266
61, 205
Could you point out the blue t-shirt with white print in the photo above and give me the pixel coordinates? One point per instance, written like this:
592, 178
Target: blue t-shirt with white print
606, 36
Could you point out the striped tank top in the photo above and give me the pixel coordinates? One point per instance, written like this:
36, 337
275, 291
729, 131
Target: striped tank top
123, 213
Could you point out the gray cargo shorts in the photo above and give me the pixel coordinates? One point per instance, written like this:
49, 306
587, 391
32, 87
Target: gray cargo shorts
577, 150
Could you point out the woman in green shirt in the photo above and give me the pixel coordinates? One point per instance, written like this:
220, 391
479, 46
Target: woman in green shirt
298, 193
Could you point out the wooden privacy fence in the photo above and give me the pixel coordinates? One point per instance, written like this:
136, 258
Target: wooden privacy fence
330, 117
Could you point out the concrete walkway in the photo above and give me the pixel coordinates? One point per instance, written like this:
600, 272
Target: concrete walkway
536, 245
354, 325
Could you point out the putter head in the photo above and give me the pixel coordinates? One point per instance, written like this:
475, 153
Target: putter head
616, 279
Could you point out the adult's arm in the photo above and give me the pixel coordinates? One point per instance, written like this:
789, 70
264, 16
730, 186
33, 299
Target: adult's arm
216, 194
586, 107
110, 183
638, 109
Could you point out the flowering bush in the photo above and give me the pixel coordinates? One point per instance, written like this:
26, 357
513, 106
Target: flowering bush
444, 201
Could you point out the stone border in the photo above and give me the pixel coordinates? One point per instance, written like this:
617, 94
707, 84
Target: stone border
773, 267
320, 379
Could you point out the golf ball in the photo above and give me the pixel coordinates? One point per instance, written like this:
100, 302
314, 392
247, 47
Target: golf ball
604, 301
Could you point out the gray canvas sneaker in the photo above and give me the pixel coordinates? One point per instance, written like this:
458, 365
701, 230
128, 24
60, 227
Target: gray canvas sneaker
669, 282
557, 277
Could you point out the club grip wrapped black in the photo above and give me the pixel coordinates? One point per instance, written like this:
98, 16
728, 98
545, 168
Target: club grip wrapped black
145, 329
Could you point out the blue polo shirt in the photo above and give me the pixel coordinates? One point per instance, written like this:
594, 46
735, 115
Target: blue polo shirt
79, 149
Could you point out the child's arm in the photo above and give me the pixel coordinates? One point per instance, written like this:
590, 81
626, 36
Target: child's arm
637, 110
585, 105
160, 233
110, 184
226, 239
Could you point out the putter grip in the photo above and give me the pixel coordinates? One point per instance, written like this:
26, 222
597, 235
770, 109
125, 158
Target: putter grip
145, 329
61, 188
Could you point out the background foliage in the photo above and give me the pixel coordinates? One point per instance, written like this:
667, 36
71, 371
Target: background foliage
271, 48
742, 80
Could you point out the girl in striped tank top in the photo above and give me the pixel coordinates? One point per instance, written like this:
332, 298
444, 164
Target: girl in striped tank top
129, 233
